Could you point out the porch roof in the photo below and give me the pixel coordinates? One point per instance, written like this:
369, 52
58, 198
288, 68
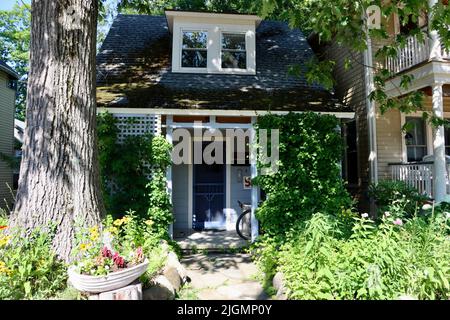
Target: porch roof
133, 71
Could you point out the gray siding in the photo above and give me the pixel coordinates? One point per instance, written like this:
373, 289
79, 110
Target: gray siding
180, 195
7, 103
237, 189
350, 89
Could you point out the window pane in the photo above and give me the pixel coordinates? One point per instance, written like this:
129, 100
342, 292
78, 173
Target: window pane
416, 153
194, 58
194, 39
416, 134
234, 60
233, 41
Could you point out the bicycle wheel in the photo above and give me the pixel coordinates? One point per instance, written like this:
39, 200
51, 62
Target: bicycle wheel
243, 227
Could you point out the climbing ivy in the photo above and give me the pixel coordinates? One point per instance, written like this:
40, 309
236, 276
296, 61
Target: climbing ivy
308, 178
133, 172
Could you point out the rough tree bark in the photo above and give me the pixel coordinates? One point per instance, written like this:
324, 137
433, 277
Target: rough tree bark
59, 175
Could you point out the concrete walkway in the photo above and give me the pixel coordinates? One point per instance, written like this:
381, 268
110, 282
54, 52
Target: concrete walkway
211, 240
223, 277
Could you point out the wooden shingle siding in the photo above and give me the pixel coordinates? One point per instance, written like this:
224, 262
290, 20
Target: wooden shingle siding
7, 97
350, 89
389, 143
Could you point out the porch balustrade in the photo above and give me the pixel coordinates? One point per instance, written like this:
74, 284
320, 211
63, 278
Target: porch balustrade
413, 53
418, 175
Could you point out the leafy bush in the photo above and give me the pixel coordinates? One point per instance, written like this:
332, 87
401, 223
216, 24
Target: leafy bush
407, 198
28, 267
308, 179
126, 167
376, 261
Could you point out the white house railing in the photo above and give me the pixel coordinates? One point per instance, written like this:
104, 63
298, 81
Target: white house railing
413, 53
418, 175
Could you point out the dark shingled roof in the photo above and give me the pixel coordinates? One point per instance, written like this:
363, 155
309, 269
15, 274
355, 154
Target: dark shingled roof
134, 70
7, 69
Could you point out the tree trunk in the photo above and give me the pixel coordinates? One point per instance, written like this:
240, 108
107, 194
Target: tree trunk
59, 176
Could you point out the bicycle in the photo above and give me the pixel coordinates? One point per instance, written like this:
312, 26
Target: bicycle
243, 222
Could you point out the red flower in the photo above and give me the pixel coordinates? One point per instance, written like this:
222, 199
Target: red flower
118, 260
106, 252
3, 227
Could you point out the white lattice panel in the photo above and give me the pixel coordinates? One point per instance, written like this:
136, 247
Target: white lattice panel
137, 124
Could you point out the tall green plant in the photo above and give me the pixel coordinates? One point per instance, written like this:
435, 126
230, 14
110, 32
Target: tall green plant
308, 178
133, 172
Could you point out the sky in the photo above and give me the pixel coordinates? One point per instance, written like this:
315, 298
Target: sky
8, 4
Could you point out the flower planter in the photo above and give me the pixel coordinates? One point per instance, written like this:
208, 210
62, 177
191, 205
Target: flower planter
109, 282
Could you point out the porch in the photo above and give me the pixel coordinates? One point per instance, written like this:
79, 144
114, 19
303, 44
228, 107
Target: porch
418, 175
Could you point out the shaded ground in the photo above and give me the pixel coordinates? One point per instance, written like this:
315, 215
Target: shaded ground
222, 277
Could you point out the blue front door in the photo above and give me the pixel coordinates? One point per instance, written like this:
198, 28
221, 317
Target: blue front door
209, 196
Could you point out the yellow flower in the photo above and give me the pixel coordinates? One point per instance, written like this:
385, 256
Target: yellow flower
113, 230
4, 269
93, 229
126, 219
85, 246
118, 222
94, 234
4, 240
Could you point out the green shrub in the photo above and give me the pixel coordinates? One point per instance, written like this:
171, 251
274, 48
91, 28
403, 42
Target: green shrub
388, 192
28, 267
126, 167
308, 178
378, 261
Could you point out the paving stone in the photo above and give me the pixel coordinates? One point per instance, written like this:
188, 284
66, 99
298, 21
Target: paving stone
223, 277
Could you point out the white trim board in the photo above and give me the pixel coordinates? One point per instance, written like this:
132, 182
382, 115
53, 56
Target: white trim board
429, 74
215, 112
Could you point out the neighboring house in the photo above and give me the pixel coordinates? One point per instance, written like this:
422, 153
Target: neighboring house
8, 87
384, 151
221, 70
19, 130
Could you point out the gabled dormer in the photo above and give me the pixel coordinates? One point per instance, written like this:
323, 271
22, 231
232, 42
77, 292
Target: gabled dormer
204, 42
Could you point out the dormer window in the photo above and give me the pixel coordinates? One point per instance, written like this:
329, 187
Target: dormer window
205, 42
234, 54
194, 49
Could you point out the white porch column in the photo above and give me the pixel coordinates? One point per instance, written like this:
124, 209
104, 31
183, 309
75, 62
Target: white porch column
255, 190
435, 42
439, 167
169, 131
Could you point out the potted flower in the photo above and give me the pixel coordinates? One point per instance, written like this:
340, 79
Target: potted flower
102, 264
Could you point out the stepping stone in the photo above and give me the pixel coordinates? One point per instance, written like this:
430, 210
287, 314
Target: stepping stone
250, 290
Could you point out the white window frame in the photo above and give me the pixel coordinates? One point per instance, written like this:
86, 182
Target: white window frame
193, 69
428, 132
214, 47
221, 50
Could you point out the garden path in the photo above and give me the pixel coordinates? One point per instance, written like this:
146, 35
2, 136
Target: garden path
222, 276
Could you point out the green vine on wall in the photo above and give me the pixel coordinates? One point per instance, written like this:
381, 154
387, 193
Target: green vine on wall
133, 173
308, 179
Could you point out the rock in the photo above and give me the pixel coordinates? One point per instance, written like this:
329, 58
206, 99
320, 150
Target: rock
278, 284
174, 278
277, 281
172, 261
160, 289
131, 292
